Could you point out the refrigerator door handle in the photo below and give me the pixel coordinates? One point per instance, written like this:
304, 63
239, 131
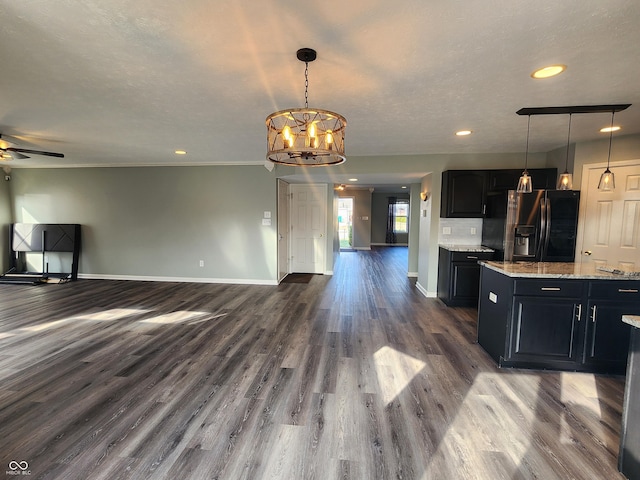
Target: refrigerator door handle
543, 228
547, 231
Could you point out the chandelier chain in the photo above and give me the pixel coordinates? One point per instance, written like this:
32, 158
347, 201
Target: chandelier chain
306, 84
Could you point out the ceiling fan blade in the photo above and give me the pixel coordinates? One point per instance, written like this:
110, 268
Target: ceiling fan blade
35, 152
7, 155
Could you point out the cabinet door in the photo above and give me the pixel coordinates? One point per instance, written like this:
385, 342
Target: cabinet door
607, 336
463, 194
544, 331
465, 283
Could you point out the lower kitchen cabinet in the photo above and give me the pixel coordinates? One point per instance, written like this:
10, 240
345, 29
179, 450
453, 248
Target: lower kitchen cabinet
459, 277
545, 330
606, 337
559, 324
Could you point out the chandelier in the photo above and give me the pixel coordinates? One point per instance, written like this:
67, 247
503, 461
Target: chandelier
309, 137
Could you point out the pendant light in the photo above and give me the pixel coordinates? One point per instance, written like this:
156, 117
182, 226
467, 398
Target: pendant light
565, 181
524, 184
607, 181
306, 136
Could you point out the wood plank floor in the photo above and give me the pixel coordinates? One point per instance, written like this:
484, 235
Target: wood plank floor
354, 376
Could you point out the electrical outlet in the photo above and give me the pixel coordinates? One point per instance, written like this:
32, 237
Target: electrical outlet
446, 230
202, 263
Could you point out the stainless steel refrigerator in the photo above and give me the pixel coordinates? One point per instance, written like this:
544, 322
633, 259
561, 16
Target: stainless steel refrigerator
537, 227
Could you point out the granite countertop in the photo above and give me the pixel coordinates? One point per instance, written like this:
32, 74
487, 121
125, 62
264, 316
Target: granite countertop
633, 320
554, 270
465, 248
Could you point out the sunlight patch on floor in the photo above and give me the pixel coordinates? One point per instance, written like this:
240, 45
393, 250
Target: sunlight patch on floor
482, 419
395, 370
579, 390
112, 314
180, 316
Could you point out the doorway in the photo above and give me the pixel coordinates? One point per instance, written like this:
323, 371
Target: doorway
609, 224
345, 222
308, 241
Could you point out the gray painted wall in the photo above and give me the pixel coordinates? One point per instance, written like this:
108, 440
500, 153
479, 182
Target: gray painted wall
160, 222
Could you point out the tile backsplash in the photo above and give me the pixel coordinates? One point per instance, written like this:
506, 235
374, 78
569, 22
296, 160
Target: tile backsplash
460, 231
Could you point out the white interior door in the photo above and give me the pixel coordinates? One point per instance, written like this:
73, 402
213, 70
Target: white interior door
308, 228
284, 227
610, 221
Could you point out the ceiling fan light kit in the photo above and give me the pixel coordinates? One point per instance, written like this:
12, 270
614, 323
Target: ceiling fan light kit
306, 136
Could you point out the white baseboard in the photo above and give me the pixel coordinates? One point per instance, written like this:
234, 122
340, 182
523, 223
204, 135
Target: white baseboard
425, 292
234, 281
389, 244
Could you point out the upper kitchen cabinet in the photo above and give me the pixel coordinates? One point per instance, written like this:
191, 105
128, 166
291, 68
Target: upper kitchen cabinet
463, 193
541, 178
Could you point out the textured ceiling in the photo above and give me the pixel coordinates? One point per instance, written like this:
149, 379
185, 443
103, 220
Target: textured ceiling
127, 82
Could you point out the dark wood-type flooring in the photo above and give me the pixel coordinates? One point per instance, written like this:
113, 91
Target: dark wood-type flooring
351, 376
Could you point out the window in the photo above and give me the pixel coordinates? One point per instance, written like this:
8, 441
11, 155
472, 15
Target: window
401, 217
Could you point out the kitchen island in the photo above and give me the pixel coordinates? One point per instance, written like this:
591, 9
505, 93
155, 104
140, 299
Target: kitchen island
559, 316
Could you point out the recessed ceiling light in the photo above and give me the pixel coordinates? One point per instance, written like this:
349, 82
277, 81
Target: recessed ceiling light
404, 186
353, 179
549, 71
462, 133
180, 152
615, 128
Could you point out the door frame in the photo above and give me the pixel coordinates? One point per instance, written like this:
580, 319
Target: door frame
283, 229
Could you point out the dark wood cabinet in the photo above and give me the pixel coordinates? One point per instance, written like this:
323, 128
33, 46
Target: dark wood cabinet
459, 277
559, 324
464, 192
606, 337
545, 330
502, 180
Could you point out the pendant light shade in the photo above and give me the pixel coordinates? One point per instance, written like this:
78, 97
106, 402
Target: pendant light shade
524, 183
306, 136
565, 180
607, 180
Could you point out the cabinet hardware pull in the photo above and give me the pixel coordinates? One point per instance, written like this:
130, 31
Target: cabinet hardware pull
579, 311
628, 290
550, 289
472, 257
593, 314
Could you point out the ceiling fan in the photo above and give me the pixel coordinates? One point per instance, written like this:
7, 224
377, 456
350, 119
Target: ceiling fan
7, 152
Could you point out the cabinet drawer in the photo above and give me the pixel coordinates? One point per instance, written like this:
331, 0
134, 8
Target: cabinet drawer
471, 256
615, 290
549, 288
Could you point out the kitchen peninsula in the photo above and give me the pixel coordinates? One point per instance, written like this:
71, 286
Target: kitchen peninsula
560, 316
